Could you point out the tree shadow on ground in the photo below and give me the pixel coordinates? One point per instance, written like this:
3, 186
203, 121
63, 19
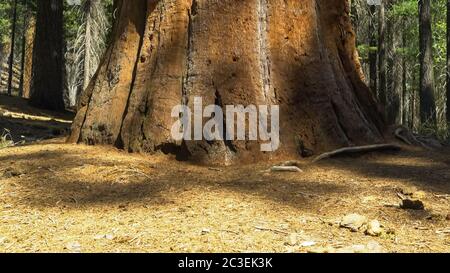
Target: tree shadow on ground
28, 130
424, 169
20, 105
51, 177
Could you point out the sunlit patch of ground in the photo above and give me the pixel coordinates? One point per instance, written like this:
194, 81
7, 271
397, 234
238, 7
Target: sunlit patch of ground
56, 197
21, 123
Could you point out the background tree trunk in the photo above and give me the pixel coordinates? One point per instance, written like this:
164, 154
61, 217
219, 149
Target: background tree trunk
448, 62
382, 53
427, 100
11, 54
373, 51
28, 67
86, 48
354, 16
95, 36
87, 38
299, 55
26, 15
395, 91
48, 60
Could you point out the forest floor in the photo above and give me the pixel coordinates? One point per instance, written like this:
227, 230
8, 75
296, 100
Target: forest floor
57, 197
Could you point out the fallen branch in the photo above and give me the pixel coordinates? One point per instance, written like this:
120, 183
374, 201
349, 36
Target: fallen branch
358, 149
285, 169
271, 229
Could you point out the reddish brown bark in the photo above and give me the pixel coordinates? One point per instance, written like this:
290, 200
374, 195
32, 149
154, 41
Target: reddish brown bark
299, 55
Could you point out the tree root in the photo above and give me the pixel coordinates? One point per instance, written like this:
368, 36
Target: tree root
358, 149
409, 138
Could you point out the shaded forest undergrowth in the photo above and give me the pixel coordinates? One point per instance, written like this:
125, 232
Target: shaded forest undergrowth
60, 197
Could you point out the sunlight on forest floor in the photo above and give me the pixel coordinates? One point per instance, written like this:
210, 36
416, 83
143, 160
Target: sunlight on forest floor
59, 197
25, 124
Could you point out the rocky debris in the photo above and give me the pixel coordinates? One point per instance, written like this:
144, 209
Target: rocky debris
293, 240
414, 204
285, 169
410, 198
10, 173
205, 231
354, 222
307, 243
359, 223
371, 247
374, 228
74, 247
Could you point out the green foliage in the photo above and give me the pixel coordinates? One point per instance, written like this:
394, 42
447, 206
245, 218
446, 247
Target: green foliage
5, 22
402, 16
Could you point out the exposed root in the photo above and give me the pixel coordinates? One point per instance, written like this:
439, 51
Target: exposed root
358, 149
409, 138
398, 134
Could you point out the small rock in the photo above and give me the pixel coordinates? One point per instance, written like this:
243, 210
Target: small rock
448, 217
307, 243
414, 204
74, 247
206, 231
371, 247
354, 222
104, 236
374, 247
374, 228
3, 240
292, 239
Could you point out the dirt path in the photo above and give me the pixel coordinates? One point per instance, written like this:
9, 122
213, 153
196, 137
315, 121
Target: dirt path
70, 198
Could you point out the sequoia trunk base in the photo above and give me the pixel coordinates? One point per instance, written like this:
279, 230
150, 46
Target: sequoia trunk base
299, 55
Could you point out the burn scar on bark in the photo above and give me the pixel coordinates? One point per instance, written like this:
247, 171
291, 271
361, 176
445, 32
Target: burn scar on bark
192, 12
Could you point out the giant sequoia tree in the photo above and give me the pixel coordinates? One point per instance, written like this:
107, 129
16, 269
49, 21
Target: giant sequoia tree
299, 55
